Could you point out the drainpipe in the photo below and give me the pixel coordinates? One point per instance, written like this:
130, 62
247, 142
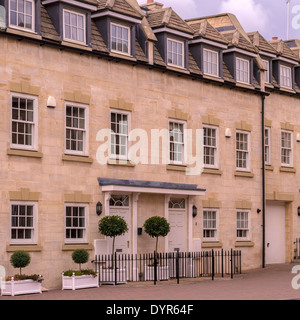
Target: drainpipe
263, 96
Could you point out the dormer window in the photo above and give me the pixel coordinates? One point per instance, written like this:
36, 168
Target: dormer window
210, 62
120, 39
242, 70
175, 53
74, 26
285, 76
21, 14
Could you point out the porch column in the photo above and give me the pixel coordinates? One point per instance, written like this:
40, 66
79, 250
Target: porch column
135, 198
107, 196
191, 202
167, 200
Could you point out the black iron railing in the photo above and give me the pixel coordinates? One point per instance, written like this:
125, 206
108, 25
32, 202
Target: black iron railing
122, 268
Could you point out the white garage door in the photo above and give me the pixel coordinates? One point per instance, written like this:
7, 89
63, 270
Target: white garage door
275, 233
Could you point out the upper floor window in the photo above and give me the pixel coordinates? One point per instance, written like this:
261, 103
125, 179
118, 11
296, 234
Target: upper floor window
285, 76
175, 53
242, 151
286, 148
210, 61
210, 143
76, 129
120, 38
119, 125
176, 132
23, 222
267, 146
21, 14
74, 26
242, 70
267, 72
23, 122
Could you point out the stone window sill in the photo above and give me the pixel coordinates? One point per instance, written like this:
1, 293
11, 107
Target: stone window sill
244, 174
72, 247
74, 158
288, 169
24, 153
174, 167
216, 244
212, 171
25, 247
124, 163
244, 244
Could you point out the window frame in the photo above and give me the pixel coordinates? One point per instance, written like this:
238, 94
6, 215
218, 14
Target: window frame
119, 156
182, 65
267, 72
34, 237
215, 229
183, 143
84, 239
291, 149
34, 143
283, 77
128, 40
247, 229
238, 71
268, 146
216, 148
84, 27
85, 150
247, 168
209, 51
33, 14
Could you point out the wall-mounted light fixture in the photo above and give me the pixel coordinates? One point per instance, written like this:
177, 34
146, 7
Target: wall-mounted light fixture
298, 211
99, 208
228, 133
140, 231
195, 211
51, 102
258, 211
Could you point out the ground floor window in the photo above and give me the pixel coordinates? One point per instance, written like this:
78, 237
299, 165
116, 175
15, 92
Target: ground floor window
242, 225
23, 222
210, 230
76, 223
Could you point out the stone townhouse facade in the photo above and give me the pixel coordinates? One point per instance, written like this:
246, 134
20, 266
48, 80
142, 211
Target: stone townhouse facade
71, 71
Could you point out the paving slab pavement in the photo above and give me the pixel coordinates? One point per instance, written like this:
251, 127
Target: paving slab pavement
271, 283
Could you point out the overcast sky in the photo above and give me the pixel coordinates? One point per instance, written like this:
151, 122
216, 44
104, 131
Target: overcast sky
269, 17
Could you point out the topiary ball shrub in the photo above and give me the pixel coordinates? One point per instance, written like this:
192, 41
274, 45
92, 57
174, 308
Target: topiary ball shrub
80, 256
20, 259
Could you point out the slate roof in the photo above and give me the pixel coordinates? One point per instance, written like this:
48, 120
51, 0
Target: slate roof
167, 17
283, 49
204, 29
236, 39
260, 42
119, 6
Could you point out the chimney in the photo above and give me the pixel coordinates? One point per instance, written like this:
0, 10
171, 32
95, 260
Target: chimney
152, 5
275, 38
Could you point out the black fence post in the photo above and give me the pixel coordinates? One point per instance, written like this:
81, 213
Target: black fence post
231, 262
177, 267
115, 264
212, 264
155, 268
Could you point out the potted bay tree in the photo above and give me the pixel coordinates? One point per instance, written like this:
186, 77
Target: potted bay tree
156, 227
21, 283
112, 227
82, 278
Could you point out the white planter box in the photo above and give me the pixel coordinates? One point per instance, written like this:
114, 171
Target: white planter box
108, 276
13, 288
79, 282
162, 273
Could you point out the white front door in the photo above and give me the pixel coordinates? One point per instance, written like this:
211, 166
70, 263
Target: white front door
178, 233
275, 233
120, 207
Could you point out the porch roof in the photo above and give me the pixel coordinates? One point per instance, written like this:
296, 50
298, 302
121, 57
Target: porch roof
123, 185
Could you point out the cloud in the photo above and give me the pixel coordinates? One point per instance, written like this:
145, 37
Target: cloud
185, 9
252, 15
